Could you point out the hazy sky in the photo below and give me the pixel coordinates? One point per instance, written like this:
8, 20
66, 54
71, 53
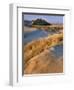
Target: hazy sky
49, 18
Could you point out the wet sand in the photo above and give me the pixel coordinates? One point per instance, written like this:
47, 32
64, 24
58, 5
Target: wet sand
45, 62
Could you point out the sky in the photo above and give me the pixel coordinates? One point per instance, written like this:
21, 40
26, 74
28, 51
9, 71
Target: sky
50, 18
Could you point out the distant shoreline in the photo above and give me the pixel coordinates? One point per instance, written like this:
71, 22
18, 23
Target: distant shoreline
43, 27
